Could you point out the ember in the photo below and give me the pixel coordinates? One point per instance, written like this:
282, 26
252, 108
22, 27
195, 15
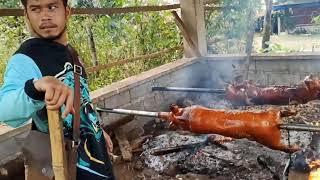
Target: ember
314, 164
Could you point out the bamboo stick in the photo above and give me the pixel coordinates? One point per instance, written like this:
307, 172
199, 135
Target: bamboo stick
59, 160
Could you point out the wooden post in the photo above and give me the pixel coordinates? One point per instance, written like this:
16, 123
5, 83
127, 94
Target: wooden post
192, 14
59, 158
194, 49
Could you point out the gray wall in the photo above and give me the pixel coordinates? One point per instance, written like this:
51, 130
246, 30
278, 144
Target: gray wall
265, 70
213, 72
135, 92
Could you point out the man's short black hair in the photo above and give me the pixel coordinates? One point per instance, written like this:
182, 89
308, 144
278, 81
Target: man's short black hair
24, 3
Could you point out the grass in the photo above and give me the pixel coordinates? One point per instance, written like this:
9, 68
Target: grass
295, 43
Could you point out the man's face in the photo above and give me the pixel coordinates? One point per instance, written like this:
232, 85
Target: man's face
47, 18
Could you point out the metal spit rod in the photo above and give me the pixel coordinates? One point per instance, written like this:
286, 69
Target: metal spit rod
129, 112
180, 89
300, 127
292, 127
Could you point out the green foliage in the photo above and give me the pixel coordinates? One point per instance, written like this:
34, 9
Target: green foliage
277, 48
227, 28
12, 34
316, 20
116, 37
9, 3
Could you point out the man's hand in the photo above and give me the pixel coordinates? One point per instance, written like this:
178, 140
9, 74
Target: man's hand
109, 144
56, 94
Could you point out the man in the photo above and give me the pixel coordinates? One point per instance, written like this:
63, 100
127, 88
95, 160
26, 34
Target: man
39, 76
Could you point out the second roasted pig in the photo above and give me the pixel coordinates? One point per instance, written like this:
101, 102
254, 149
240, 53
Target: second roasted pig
247, 93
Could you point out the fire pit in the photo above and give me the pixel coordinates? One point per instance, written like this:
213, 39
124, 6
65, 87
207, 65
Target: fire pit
179, 154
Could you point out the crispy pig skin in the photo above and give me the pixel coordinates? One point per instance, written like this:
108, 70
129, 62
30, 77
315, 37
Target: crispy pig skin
259, 126
247, 93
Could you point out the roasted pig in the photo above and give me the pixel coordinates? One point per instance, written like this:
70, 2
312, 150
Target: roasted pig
247, 93
259, 126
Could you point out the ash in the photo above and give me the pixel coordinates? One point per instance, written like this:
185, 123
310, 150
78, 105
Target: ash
237, 159
161, 163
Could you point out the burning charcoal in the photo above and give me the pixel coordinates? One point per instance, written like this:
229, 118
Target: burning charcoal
148, 173
138, 165
315, 143
171, 170
266, 162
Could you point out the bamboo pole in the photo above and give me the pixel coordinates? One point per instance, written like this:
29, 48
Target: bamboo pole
59, 160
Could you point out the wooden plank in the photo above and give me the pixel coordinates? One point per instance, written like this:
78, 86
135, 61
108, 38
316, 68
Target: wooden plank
7, 132
4, 129
192, 16
11, 12
123, 10
124, 144
211, 1
186, 35
59, 158
208, 8
217, 8
201, 27
100, 11
137, 143
125, 61
118, 123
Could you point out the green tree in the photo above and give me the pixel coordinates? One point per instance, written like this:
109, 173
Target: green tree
116, 37
227, 27
267, 25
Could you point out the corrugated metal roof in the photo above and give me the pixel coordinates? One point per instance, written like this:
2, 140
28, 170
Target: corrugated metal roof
300, 5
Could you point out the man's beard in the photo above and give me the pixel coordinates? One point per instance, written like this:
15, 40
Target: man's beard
52, 38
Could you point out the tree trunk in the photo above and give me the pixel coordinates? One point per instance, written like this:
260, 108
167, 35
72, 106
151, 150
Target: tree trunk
267, 25
249, 43
90, 4
92, 45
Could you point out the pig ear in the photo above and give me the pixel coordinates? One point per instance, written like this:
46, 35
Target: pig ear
174, 108
307, 78
308, 83
251, 82
311, 76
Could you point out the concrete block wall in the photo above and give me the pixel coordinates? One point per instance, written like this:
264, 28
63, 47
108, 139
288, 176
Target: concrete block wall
212, 72
265, 70
136, 93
